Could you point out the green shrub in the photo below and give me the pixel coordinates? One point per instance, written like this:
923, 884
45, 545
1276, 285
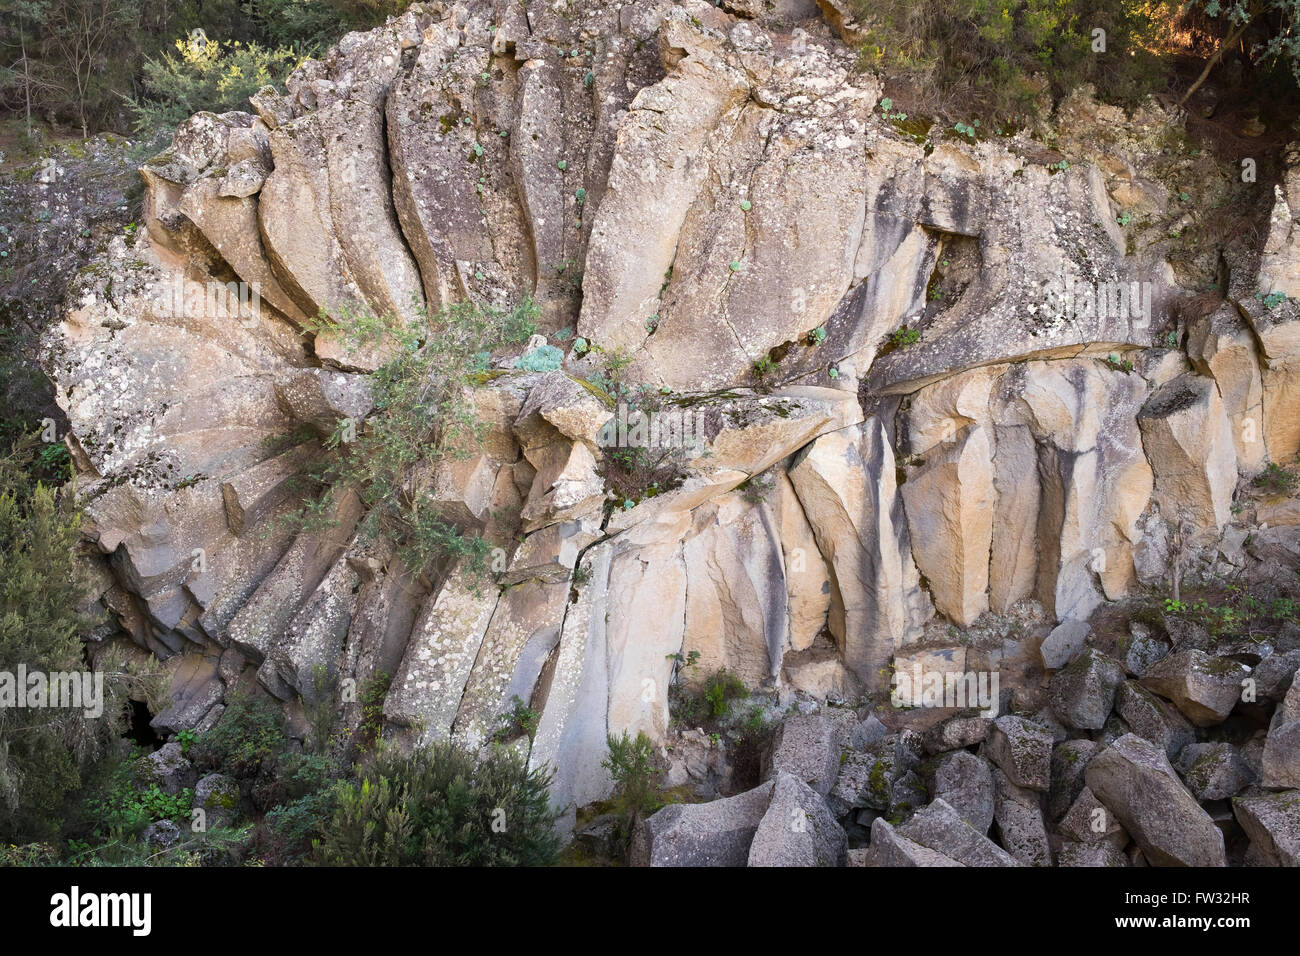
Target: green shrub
304, 799
631, 762
902, 338
441, 807
519, 720
44, 751
720, 689
126, 808
246, 741
1276, 480
424, 413
203, 74
1003, 57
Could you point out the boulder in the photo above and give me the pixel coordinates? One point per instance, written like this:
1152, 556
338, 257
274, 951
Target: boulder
1203, 687
1280, 765
890, 848
1064, 644
867, 778
1150, 717
1022, 750
1082, 695
1019, 818
797, 829
956, 733
1142, 649
940, 827
1133, 779
169, 769
1070, 759
806, 748
218, 796
1275, 674
1272, 821
965, 782
1088, 821
1090, 855
719, 833
1213, 771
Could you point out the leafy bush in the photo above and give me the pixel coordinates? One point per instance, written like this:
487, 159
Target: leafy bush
304, 799
902, 338
246, 741
43, 751
1003, 57
519, 720
424, 414
125, 807
631, 762
441, 807
720, 689
710, 703
204, 74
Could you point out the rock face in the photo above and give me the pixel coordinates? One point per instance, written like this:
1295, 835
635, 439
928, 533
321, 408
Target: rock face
707, 196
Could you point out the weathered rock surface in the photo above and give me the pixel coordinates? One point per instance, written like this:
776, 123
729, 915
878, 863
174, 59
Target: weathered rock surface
719, 833
1133, 779
1022, 750
710, 195
1204, 688
798, 829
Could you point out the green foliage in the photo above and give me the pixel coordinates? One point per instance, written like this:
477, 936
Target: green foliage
203, 74
709, 702
127, 807
1005, 56
902, 338
544, 358
1276, 480
43, 751
720, 689
81, 60
631, 762
303, 798
246, 741
755, 489
520, 719
186, 739
373, 692
441, 807
424, 413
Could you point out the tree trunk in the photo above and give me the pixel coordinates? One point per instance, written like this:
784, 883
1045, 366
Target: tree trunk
1228, 42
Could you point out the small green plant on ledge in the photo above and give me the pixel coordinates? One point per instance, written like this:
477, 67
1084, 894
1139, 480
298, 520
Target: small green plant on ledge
519, 719
902, 338
1276, 480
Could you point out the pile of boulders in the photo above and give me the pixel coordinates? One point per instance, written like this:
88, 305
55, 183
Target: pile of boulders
1175, 756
